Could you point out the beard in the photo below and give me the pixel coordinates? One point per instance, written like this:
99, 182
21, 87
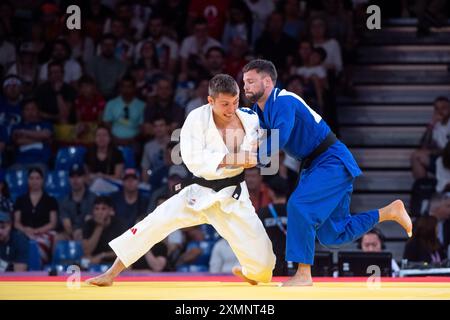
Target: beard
254, 97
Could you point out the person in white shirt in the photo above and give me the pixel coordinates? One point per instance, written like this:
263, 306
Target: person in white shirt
434, 140
217, 194
443, 171
197, 45
223, 259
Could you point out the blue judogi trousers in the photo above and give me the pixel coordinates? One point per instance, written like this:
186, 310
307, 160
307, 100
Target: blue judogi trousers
320, 206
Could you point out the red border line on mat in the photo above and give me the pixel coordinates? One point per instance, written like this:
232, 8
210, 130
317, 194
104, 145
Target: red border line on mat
216, 279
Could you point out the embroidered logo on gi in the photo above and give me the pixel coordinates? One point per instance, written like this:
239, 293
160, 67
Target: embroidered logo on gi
133, 230
247, 110
192, 201
178, 187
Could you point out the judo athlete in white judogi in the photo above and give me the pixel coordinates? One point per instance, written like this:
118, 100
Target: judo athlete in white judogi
217, 142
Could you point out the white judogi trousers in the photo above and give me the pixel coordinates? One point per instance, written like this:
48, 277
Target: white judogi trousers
235, 220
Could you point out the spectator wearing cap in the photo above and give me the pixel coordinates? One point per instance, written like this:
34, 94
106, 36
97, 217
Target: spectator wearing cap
274, 219
26, 67
61, 53
11, 102
129, 204
36, 214
153, 155
13, 246
175, 175
32, 138
106, 68
77, 206
100, 230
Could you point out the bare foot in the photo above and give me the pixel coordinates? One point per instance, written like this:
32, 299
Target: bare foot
396, 211
237, 271
103, 280
298, 280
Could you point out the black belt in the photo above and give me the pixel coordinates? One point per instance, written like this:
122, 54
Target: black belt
323, 146
216, 185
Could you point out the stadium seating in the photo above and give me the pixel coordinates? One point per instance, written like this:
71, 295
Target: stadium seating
57, 183
17, 182
128, 156
67, 253
69, 156
34, 258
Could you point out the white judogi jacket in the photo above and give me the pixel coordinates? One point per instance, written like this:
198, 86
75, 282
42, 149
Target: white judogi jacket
203, 149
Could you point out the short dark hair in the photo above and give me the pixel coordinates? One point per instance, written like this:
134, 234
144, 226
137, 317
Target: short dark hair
55, 64
215, 48
261, 65
86, 79
37, 170
222, 83
29, 100
108, 36
103, 200
440, 99
128, 78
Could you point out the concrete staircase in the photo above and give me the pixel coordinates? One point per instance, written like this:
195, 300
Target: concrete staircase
397, 77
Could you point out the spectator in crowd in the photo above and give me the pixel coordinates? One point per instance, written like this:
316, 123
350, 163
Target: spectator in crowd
61, 53
100, 230
36, 214
274, 44
11, 102
294, 24
200, 98
236, 59
26, 67
238, 24
129, 204
125, 113
124, 50
7, 51
3, 145
6, 204
424, 245
56, 97
443, 171
194, 47
153, 156
50, 19
82, 46
274, 219
95, 14
104, 159
166, 49
423, 160
261, 10
148, 59
76, 207
89, 106
214, 61
41, 48
164, 105
13, 246
222, 258
198, 252
373, 241
319, 38
159, 177
440, 209
213, 11
259, 193
123, 11
32, 138
175, 175
106, 68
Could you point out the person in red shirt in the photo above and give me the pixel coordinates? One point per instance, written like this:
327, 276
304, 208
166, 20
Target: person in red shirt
89, 106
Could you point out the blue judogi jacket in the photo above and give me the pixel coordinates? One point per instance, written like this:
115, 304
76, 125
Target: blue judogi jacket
301, 130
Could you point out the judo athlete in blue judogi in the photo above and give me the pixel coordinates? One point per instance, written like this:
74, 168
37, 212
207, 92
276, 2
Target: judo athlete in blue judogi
320, 204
